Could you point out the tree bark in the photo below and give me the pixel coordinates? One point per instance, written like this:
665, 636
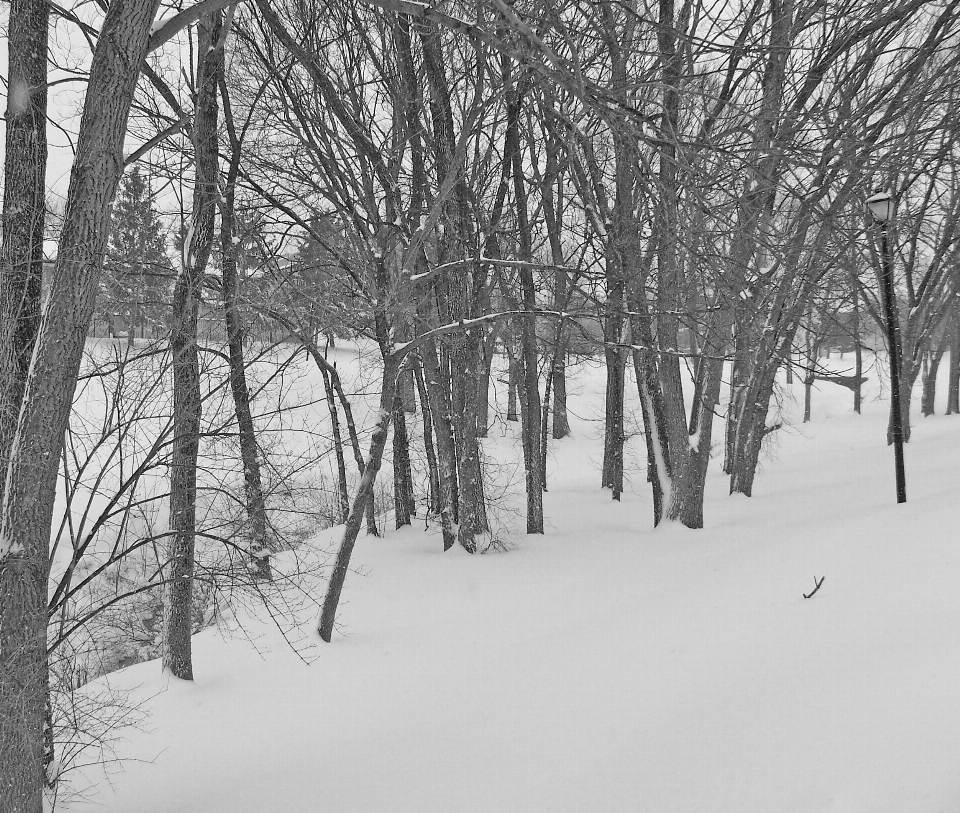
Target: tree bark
439, 407
31, 482
378, 442
404, 503
24, 208
258, 544
178, 595
929, 396
530, 403
433, 471
953, 387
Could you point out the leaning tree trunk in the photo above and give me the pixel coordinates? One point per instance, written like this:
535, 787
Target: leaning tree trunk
352, 528
35, 452
258, 544
178, 594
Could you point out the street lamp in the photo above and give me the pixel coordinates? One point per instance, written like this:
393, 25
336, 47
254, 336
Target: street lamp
881, 205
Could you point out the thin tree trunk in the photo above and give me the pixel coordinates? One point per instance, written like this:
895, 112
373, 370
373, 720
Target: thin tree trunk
612, 473
337, 446
558, 374
331, 370
513, 383
433, 472
530, 402
439, 408
178, 595
362, 497
545, 430
404, 504
31, 482
259, 542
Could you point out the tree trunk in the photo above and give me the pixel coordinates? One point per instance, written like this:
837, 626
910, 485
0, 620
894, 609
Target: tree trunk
438, 401
433, 471
259, 543
404, 503
178, 595
24, 208
857, 349
530, 402
513, 382
561, 421
364, 491
613, 436
909, 373
26, 747
928, 399
337, 446
331, 370
38, 442
953, 391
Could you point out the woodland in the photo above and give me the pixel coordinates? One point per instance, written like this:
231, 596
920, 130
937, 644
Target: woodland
480, 196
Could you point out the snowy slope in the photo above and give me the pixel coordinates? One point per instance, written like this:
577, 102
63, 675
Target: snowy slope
605, 666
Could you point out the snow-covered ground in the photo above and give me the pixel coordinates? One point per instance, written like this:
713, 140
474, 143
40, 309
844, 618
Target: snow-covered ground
606, 666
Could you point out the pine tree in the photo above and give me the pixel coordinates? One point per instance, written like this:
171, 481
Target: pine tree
137, 271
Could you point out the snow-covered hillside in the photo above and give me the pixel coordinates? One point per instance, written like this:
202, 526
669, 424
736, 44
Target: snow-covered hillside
606, 666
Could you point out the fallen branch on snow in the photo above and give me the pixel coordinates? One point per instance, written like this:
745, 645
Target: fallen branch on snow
817, 583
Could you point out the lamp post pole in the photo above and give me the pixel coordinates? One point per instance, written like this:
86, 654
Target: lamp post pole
893, 343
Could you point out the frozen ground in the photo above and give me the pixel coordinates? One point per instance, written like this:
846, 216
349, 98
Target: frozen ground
605, 666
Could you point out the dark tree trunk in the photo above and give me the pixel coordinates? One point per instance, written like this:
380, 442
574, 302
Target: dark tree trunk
513, 383
24, 208
26, 747
487, 345
438, 399
433, 472
404, 503
532, 460
30, 488
953, 391
258, 545
561, 421
337, 446
612, 473
857, 349
178, 596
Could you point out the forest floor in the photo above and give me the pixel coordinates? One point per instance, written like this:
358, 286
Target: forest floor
605, 666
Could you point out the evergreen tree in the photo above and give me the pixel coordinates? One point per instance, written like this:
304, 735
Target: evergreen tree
137, 271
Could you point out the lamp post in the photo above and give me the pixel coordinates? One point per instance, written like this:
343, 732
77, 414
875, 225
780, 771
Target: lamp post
881, 207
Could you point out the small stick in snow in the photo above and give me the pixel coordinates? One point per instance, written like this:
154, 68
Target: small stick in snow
817, 583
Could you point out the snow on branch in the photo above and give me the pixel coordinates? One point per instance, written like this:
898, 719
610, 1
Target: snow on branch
166, 29
426, 275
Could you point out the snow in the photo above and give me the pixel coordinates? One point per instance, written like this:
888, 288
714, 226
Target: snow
605, 666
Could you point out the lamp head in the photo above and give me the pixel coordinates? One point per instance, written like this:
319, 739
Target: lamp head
880, 204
